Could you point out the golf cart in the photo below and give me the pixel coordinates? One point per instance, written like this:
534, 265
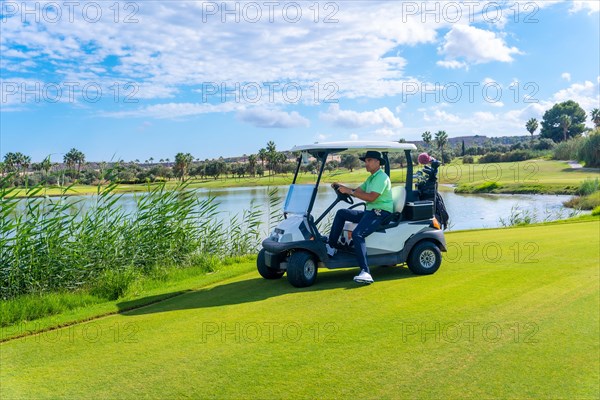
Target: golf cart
410, 235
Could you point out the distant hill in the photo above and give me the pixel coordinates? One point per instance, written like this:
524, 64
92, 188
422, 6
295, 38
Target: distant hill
479, 140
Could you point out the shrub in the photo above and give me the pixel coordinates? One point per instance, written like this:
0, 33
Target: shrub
568, 150
589, 152
588, 186
113, 284
468, 160
589, 202
596, 211
207, 262
492, 157
50, 180
487, 187
517, 155
544, 144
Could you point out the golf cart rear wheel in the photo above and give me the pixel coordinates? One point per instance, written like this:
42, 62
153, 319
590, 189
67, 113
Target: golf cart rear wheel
425, 258
301, 269
264, 270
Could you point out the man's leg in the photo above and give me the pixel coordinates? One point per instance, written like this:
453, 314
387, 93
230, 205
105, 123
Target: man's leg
367, 225
341, 217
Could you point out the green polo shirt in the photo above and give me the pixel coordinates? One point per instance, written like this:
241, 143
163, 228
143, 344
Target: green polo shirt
379, 182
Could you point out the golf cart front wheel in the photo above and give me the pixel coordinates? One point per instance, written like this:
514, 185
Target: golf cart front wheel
264, 270
425, 258
301, 269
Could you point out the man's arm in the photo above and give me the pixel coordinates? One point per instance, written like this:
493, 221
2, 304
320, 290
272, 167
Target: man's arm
364, 196
359, 193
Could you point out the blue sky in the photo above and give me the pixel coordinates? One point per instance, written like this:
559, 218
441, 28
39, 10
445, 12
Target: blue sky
134, 80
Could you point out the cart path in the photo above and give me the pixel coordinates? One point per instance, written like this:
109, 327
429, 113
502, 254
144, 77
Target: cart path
574, 164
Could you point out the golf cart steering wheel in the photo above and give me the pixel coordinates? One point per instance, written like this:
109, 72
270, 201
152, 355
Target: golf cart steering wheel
342, 196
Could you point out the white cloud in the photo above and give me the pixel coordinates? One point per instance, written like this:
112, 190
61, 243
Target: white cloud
441, 116
586, 94
476, 46
484, 116
173, 110
264, 118
353, 119
387, 133
490, 81
566, 76
452, 64
173, 47
353, 137
591, 6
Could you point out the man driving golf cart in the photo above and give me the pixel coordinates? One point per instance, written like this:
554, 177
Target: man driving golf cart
406, 232
376, 192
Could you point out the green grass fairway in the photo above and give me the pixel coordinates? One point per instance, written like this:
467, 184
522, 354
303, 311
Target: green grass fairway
512, 313
533, 176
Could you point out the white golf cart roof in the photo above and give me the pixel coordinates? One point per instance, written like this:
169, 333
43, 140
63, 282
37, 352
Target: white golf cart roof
355, 147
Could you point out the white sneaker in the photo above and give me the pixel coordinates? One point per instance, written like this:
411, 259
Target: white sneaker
364, 277
330, 250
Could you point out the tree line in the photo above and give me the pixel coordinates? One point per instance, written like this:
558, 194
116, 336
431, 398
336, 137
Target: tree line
562, 123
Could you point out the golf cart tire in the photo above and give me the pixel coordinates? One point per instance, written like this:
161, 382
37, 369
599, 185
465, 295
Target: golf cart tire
264, 271
425, 258
302, 269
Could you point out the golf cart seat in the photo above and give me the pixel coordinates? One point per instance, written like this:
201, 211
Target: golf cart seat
399, 199
391, 221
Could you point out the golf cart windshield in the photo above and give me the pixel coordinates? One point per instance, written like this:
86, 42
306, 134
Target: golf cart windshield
298, 199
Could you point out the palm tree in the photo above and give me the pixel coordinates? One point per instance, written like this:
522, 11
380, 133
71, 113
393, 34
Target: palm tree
565, 124
16, 162
10, 162
46, 165
441, 138
25, 162
596, 117
262, 155
426, 137
280, 161
182, 164
252, 164
531, 126
73, 157
272, 155
69, 158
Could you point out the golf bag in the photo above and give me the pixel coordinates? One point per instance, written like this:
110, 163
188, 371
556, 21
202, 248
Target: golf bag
427, 186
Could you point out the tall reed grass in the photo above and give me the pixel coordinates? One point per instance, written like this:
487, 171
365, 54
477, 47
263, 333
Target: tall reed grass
54, 244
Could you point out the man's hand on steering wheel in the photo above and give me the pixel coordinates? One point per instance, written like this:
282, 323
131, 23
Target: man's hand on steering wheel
343, 193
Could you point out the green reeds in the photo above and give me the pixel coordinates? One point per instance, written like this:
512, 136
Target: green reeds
55, 244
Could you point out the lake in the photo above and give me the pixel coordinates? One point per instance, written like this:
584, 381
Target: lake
467, 211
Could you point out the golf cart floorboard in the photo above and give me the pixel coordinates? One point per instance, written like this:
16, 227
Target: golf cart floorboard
346, 258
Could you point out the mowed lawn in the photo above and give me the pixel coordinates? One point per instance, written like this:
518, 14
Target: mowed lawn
533, 175
512, 313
